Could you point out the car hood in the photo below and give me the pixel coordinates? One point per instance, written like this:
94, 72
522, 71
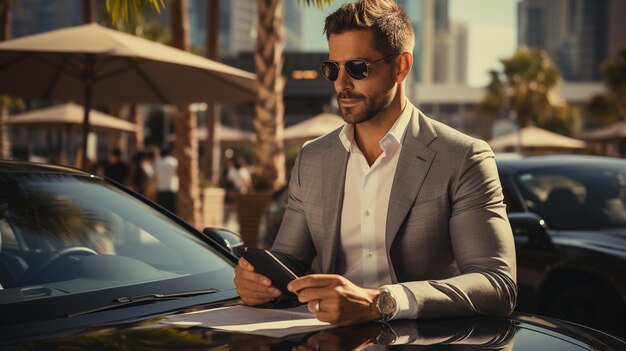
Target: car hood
523, 331
609, 241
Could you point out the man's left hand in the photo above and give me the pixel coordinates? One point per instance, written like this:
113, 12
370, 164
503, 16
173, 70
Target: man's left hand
340, 301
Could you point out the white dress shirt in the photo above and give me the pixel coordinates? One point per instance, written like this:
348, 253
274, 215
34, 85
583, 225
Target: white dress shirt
363, 257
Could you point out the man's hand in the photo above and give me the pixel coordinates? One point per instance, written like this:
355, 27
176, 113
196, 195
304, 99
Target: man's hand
253, 288
340, 301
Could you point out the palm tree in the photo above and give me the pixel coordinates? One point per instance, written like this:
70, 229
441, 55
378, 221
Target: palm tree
5, 142
269, 108
615, 78
185, 125
528, 89
212, 112
492, 104
88, 11
611, 107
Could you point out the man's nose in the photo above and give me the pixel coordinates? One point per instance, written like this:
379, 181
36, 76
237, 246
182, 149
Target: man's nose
343, 82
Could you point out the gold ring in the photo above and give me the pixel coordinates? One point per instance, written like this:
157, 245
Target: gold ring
317, 306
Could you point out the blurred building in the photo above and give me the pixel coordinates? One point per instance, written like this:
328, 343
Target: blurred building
450, 61
37, 16
440, 54
306, 93
457, 105
575, 33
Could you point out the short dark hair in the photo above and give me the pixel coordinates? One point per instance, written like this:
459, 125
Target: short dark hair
393, 32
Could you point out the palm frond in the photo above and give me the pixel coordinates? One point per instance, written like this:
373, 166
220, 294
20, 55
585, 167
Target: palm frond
125, 9
317, 3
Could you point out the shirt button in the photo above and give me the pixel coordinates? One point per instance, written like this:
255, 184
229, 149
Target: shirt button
369, 254
367, 212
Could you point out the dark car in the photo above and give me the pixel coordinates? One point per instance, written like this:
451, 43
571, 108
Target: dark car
568, 215
72, 243
88, 264
569, 219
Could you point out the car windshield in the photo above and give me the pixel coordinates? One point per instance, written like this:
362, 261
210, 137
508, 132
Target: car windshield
64, 234
577, 198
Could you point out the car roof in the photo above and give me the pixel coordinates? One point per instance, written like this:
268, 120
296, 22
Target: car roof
511, 164
33, 167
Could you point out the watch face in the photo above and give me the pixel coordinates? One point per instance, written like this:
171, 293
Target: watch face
387, 303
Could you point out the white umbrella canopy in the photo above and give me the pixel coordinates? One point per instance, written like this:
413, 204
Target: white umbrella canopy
92, 64
534, 137
313, 127
70, 113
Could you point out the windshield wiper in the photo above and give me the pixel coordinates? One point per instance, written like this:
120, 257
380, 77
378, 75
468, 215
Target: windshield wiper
130, 300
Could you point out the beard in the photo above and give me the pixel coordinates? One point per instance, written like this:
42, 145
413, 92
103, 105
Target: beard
367, 108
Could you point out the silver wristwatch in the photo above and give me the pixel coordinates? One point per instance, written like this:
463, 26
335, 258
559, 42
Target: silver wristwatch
386, 304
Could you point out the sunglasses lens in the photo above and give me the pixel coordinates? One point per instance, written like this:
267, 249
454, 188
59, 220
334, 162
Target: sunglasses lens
330, 70
357, 69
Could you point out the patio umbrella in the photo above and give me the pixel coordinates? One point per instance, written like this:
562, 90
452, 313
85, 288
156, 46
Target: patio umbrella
537, 138
64, 117
313, 127
68, 114
614, 131
92, 64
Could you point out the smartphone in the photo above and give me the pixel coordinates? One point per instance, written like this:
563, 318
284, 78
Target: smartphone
269, 265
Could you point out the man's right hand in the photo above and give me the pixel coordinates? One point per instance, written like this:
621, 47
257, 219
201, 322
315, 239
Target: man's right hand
253, 288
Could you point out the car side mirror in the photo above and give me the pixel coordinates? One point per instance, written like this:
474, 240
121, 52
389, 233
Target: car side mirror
529, 229
225, 238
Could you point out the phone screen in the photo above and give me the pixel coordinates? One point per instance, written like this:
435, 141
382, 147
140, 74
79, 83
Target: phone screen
269, 265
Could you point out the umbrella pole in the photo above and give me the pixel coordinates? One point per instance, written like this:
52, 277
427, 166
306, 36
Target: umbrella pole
86, 125
88, 82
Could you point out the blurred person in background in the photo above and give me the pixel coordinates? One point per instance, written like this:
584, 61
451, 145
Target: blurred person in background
116, 168
143, 173
166, 168
239, 176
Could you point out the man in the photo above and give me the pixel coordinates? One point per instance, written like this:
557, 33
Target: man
395, 215
165, 171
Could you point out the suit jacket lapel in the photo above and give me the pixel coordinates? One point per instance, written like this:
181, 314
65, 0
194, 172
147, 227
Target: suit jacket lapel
333, 181
413, 165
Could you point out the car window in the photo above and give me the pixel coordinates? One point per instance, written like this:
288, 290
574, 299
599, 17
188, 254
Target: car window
75, 234
576, 198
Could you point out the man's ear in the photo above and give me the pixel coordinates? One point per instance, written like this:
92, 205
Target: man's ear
404, 64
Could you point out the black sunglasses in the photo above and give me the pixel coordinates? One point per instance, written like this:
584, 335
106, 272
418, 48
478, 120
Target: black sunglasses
357, 69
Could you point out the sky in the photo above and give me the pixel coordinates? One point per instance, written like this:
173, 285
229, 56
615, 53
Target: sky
491, 24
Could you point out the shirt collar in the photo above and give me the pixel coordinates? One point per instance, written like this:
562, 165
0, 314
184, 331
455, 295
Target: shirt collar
395, 135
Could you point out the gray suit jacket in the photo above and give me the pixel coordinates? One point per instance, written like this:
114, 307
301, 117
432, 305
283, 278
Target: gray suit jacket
447, 232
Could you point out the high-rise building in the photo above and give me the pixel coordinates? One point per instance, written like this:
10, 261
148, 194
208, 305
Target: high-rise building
458, 53
420, 14
442, 20
440, 54
577, 34
36, 16
293, 25
243, 19
617, 29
